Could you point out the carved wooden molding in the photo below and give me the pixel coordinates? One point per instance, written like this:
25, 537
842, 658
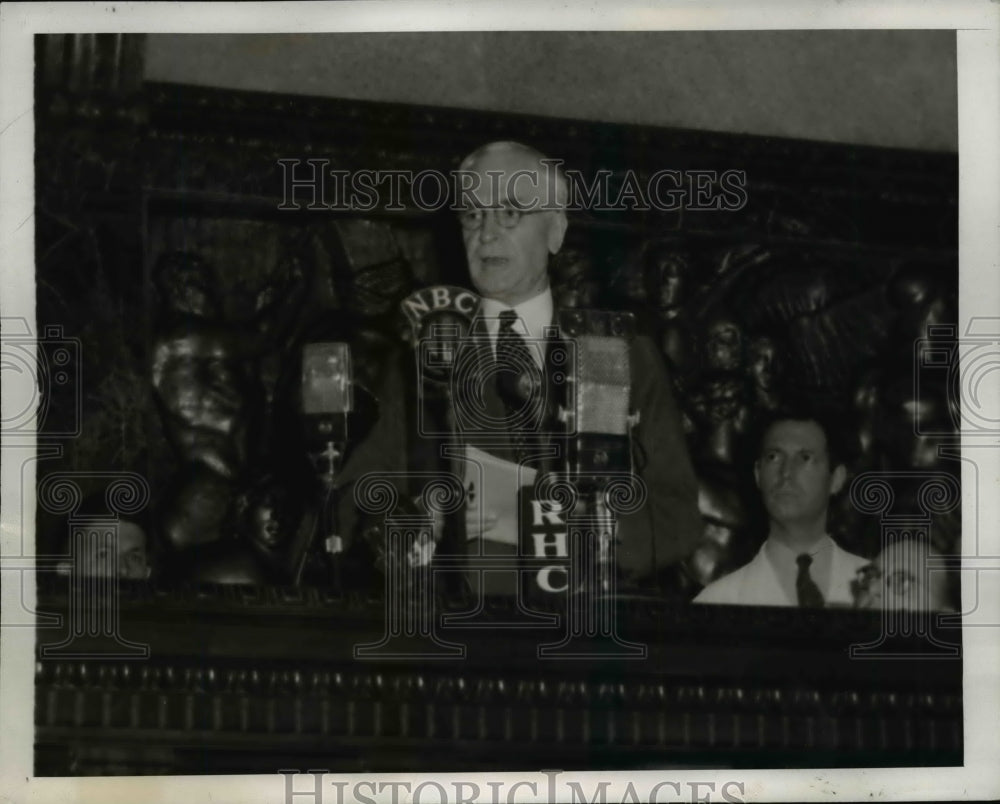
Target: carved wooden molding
641, 613
319, 709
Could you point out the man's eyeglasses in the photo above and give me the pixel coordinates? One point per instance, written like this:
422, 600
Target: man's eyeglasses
506, 217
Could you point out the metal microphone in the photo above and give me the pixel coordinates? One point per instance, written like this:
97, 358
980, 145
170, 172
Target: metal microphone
597, 409
327, 399
441, 319
327, 402
599, 435
327, 379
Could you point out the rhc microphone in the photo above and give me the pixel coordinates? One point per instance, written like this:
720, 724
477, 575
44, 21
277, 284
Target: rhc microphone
597, 406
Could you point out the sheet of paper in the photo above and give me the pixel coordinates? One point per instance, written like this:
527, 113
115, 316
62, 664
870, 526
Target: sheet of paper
491, 485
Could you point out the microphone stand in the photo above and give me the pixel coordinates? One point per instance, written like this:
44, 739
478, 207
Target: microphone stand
593, 516
598, 466
437, 402
332, 456
327, 400
598, 430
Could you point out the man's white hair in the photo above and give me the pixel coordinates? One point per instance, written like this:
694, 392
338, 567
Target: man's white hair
547, 167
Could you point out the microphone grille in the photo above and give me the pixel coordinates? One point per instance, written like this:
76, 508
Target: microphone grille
602, 384
326, 378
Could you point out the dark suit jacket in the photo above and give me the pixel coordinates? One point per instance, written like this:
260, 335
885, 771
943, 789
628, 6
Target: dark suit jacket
665, 530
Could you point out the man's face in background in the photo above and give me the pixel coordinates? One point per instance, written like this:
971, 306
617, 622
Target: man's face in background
511, 264
794, 474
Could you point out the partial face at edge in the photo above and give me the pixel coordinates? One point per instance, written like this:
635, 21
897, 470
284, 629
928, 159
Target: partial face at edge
129, 545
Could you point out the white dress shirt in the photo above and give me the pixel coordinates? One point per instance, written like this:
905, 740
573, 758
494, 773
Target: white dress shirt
764, 582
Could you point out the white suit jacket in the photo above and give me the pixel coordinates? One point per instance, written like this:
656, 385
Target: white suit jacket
757, 584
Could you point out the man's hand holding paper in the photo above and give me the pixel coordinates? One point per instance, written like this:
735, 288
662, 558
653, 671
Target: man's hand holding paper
491, 485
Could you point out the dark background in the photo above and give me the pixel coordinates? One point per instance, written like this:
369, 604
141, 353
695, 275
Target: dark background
842, 256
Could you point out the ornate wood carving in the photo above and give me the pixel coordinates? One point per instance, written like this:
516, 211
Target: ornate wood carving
793, 697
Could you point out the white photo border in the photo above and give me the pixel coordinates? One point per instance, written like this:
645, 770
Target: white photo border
978, 33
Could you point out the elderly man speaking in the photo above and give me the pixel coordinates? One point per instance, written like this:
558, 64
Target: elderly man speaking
512, 208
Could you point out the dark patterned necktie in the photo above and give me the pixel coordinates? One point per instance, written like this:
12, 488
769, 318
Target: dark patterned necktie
518, 380
805, 586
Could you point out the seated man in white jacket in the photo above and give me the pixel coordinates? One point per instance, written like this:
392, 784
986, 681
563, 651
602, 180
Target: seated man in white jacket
799, 564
